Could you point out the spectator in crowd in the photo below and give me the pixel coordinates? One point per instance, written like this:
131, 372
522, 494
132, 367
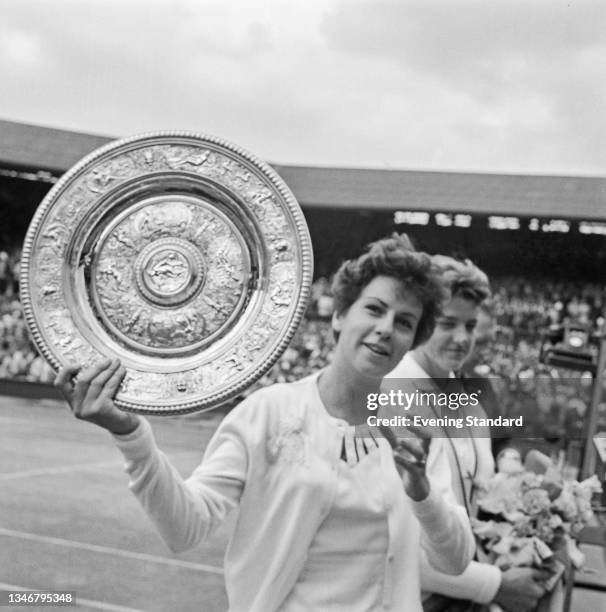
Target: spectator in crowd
40, 371
5, 276
16, 272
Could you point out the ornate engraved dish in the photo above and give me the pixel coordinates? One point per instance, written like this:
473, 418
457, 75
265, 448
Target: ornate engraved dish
183, 255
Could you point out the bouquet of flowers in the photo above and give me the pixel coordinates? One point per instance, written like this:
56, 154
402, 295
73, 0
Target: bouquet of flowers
533, 519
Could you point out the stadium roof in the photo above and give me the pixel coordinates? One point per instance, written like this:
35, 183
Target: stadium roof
34, 148
542, 196
31, 147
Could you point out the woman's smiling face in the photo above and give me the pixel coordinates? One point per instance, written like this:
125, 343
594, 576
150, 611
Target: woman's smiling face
378, 328
453, 338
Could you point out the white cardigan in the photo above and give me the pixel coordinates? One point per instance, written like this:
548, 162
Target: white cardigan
275, 456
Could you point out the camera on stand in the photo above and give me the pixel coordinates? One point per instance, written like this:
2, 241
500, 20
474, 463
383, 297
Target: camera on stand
572, 346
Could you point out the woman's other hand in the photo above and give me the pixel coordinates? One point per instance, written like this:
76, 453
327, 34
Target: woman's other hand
410, 456
90, 395
521, 588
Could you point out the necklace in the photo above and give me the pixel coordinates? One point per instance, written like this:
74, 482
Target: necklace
462, 474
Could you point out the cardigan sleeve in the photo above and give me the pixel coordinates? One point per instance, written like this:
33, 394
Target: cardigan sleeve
185, 511
446, 534
479, 582
447, 539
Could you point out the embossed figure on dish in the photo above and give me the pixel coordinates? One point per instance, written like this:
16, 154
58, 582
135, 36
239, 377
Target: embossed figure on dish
177, 157
104, 176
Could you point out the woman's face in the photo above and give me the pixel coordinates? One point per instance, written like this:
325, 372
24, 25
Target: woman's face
453, 338
378, 328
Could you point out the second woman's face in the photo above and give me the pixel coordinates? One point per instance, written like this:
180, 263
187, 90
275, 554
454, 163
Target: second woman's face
453, 338
378, 328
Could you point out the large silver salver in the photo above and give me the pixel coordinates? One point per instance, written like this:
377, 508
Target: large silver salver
184, 256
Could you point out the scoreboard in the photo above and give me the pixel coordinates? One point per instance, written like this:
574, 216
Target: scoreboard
498, 222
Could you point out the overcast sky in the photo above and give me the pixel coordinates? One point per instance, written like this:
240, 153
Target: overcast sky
478, 85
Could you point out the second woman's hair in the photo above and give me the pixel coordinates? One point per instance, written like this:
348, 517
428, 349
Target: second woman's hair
462, 278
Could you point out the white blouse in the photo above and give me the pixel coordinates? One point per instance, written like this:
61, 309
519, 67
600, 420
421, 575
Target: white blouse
356, 525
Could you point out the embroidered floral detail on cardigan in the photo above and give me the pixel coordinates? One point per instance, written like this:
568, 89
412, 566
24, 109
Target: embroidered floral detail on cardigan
288, 441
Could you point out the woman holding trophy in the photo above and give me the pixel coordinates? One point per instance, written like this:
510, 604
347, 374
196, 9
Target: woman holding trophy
332, 516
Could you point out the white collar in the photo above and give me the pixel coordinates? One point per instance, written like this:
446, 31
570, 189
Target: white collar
408, 368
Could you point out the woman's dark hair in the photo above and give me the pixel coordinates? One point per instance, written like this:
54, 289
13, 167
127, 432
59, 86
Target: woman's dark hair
397, 258
462, 278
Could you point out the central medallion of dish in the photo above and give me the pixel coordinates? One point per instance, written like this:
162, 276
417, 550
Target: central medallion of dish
169, 271
169, 275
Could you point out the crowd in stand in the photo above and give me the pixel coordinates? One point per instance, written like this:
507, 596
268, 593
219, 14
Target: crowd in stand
18, 357
521, 312
553, 400
528, 307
